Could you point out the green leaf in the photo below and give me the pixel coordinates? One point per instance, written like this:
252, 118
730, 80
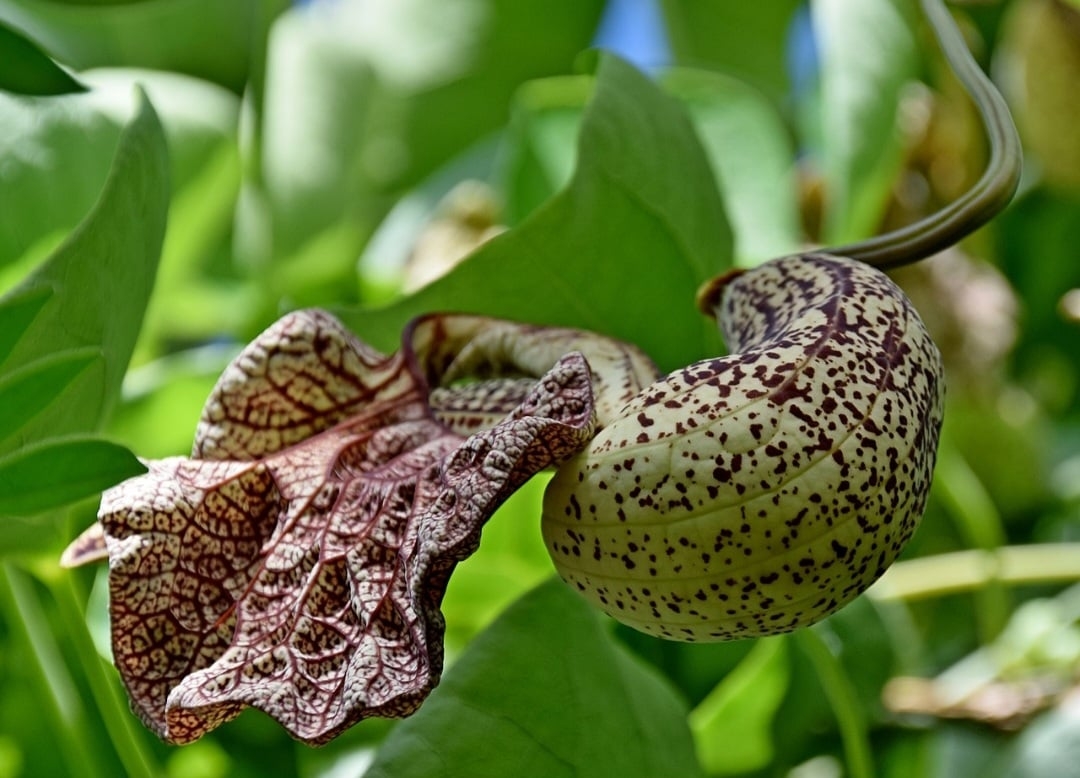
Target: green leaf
17, 310
1043, 224
545, 691
621, 251
733, 725
156, 34
511, 561
53, 474
99, 282
26, 392
851, 718
752, 158
365, 99
199, 118
200, 121
25, 69
868, 54
540, 151
522, 41
56, 153
746, 40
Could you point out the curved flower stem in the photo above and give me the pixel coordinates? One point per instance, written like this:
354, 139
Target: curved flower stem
964, 571
854, 730
987, 197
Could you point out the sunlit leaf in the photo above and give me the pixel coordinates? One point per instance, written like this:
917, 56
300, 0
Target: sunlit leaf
26, 69
752, 158
49, 475
621, 251
733, 725
201, 122
91, 293
297, 561
541, 141
545, 691
366, 98
197, 117
57, 152
152, 33
868, 54
746, 40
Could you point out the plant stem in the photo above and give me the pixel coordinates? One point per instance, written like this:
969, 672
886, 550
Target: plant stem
990, 194
980, 524
842, 699
963, 571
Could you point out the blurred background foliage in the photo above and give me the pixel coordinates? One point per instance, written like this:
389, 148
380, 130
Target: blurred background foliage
350, 154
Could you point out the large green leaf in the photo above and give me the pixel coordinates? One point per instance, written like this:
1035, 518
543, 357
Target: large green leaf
540, 142
744, 137
26, 69
733, 725
29, 390
56, 153
868, 55
365, 99
98, 283
752, 158
545, 691
17, 310
50, 475
746, 40
201, 122
198, 117
155, 34
621, 251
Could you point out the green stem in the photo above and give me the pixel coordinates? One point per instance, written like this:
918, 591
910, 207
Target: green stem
981, 526
854, 730
990, 194
965, 571
137, 761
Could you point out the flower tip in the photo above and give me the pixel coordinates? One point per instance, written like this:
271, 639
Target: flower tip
87, 548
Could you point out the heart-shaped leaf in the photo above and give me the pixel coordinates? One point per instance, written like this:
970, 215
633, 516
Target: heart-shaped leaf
71, 302
558, 695
641, 215
296, 563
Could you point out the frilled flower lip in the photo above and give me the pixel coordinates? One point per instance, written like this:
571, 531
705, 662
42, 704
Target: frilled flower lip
296, 562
